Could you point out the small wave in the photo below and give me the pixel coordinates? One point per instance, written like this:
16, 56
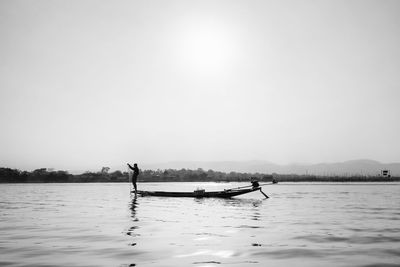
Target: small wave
219, 253
379, 265
377, 230
293, 253
207, 262
350, 239
250, 226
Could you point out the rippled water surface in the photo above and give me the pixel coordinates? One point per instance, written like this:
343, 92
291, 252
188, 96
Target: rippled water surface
103, 225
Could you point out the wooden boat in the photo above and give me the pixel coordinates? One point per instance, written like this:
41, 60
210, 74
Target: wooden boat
200, 193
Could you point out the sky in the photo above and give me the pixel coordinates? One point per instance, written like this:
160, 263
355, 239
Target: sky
86, 84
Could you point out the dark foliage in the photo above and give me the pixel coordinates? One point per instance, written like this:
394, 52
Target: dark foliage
43, 175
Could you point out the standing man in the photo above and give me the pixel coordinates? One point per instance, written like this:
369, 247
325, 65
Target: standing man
135, 170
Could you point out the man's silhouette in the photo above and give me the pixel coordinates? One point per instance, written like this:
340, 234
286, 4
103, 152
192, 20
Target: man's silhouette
135, 170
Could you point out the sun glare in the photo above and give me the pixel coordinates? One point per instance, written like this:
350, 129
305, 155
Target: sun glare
206, 49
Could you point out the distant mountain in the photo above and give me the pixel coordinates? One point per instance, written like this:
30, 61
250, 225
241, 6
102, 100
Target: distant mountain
351, 167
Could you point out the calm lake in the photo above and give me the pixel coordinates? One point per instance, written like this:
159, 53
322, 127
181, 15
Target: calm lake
301, 224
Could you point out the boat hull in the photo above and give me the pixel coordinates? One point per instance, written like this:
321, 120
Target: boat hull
217, 194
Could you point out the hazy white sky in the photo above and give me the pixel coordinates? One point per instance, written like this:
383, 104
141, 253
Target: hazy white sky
85, 84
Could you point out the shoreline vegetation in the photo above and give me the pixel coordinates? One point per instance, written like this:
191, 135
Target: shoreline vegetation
43, 175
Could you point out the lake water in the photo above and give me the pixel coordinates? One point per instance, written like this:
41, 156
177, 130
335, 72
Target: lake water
103, 225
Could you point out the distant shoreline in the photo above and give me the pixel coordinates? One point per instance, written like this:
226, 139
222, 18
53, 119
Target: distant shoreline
8, 175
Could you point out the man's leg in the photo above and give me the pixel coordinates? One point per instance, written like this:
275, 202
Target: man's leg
134, 184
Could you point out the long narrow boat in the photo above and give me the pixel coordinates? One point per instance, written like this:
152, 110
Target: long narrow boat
200, 193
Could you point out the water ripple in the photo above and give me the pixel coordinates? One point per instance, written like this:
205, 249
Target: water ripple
102, 225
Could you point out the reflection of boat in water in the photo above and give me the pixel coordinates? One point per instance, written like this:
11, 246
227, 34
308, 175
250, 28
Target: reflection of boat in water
201, 193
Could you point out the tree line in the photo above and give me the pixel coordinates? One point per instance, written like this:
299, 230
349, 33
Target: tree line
44, 175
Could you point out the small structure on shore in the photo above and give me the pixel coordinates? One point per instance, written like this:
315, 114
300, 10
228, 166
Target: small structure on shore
385, 173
